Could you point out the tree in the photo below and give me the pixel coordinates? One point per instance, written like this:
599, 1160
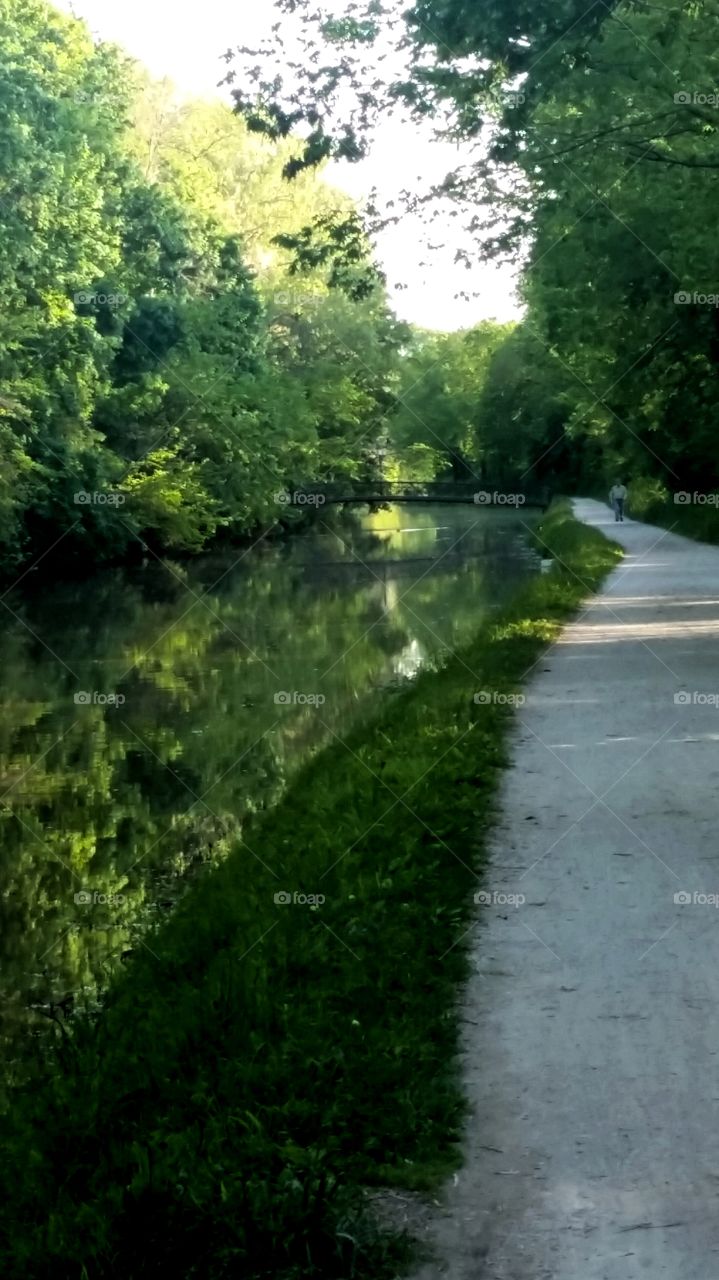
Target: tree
148, 355
443, 379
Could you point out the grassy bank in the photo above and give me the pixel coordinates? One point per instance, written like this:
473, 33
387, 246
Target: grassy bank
260, 1062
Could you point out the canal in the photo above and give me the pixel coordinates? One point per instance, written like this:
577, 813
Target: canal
147, 711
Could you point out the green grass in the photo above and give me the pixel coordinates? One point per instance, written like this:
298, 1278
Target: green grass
259, 1064
700, 522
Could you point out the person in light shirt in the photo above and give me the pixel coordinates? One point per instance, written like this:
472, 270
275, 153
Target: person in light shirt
617, 499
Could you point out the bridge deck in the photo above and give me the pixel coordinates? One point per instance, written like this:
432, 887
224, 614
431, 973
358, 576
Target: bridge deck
466, 492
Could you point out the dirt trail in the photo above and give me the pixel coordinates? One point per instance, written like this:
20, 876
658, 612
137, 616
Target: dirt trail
591, 1031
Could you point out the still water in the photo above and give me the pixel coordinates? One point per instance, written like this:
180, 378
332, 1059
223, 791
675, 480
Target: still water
146, 712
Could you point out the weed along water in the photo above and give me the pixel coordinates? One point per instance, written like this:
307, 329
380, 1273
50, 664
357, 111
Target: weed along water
165, 705
287, 1038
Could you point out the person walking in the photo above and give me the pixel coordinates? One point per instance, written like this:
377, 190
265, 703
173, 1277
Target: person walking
617, 499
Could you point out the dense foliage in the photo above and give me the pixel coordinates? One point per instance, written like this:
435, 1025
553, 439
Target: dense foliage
193, 324
595, 135
621, 153
165, 375
442, 381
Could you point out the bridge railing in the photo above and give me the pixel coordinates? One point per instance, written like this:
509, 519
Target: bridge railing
481, 493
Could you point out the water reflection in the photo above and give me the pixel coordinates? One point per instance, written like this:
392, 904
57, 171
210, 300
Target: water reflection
232, 670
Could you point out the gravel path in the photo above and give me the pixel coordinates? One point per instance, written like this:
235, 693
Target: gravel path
592, 1018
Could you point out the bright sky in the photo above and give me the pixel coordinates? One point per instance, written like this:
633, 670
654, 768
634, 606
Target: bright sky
184, 40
